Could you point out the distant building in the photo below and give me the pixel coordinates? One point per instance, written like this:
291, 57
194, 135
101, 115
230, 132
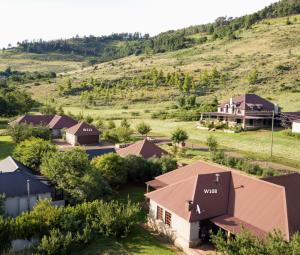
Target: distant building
56, 123
143, 148
187, 203
82, 134
249, 110
296, 126
21, 187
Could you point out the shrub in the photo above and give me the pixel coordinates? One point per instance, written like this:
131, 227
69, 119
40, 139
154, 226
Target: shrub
23, 132
111, 167
143, 128
6, 234
166, 163
212, 143
31, 152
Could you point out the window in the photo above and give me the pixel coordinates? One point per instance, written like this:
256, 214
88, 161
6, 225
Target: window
159, 213
168, 218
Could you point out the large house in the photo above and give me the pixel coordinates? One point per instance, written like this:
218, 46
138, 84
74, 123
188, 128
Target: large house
250, 111
144, 148
56, 123
188, 202
21, 187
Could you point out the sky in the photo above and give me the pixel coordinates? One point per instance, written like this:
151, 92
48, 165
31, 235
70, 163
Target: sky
55, 19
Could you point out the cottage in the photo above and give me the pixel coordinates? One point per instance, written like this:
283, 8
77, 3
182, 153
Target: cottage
143, 148
250, 111
186, 203
82, 133
56, 123
20, 187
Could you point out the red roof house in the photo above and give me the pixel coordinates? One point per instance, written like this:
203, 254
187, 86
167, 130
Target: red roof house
55, 122
185, 199
143, 148
82, 133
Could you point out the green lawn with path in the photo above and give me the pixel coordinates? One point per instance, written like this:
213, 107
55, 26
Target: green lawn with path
253, 144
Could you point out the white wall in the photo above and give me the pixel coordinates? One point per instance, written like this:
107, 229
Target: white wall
181, 231
71, 139
296, 127
15, 205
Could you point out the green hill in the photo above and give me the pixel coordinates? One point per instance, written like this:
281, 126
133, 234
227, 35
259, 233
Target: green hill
269, 50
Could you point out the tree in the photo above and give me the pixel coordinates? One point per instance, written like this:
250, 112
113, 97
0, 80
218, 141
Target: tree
111, 124
143, 128
179, 136
253, 77
166, 163
187, 84
71, 171
122, 134
212, 144
21, 132
111, 167
31, 152
140, 169
124, 123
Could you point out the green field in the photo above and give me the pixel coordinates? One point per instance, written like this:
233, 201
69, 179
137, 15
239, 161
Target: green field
253, 144
6, 146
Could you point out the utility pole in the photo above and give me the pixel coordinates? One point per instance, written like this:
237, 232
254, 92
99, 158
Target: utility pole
28, 194
272, 136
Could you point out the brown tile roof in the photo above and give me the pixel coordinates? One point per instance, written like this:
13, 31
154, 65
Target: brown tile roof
33, 119
83, 129
59, 122
236, 226
291, 184
246, 101
144, 148
52, 121
248, 199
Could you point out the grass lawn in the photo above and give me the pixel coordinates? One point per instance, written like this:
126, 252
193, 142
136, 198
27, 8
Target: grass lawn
140, 240
252, 144
6, 146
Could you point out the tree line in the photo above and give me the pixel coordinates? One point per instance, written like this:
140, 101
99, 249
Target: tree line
105, 48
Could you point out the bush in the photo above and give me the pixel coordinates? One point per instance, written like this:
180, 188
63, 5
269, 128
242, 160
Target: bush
23, 132
166, 163
31, 152
6, 234
112, 167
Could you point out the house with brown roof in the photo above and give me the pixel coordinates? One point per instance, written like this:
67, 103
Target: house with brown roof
250, 111
82, 134
144, 148
189, 201
56, 123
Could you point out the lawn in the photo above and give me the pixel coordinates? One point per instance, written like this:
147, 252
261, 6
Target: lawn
253, 144
140, 241
6, 146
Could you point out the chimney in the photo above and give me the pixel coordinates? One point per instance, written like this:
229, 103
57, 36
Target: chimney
189, 205
231, 101
276, 108
217, 178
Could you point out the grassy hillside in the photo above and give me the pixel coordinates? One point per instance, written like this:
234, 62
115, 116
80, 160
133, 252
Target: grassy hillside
271, 47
